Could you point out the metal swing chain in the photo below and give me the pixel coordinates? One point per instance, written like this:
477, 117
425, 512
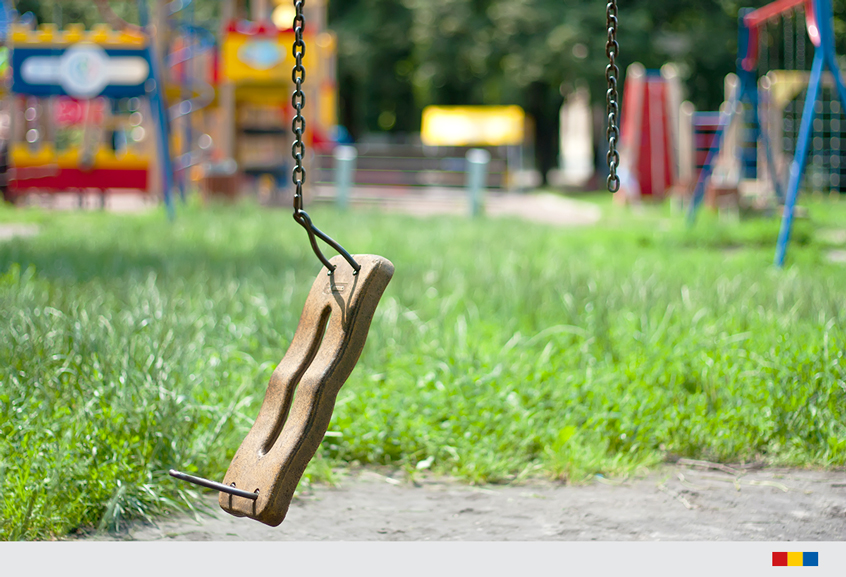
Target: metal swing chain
298, 101
612, 102
298, 149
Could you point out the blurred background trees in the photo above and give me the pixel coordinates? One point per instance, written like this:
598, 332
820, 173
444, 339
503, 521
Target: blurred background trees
397, 56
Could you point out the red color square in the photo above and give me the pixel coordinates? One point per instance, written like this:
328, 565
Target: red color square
780, 559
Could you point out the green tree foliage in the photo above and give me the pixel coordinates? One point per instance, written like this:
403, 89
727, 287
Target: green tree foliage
493, 51
376, 65
397, 56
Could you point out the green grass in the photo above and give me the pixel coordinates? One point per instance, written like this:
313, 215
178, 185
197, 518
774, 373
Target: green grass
501, 350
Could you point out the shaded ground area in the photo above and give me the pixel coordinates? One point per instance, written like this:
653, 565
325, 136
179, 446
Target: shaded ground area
10, 231
119, 201
538, 207
547, 208
693, 502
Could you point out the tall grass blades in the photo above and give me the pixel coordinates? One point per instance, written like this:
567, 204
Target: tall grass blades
501, 350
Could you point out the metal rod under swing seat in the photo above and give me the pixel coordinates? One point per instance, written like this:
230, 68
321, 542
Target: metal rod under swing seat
213, 485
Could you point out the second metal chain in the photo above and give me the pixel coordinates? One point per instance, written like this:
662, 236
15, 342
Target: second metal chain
298, 149
612, 102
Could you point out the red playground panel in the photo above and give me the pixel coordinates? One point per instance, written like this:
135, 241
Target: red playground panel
648, 134
65, 179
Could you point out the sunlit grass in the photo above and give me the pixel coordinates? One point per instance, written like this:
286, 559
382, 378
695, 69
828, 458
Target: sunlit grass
501, 349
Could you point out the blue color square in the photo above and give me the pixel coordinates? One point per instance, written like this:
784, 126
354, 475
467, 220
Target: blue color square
810, 559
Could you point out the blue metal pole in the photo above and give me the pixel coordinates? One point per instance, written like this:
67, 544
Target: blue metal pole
770, 161
827, 44
5, 20
824, 56
797, 167
160, 117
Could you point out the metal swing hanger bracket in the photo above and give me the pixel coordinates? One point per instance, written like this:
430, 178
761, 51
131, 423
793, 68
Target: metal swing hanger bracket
314, 233
298, 150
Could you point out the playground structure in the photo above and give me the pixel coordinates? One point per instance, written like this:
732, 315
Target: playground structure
502, 130
75, 109
649, 133
208, 105
782, 98
756, 140
193, 73
250, 118
217, 103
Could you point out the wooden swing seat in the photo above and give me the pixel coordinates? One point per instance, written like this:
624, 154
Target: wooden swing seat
325, 348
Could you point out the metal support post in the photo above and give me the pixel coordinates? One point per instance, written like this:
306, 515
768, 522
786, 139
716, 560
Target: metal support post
477, 176
345, 161
824, 56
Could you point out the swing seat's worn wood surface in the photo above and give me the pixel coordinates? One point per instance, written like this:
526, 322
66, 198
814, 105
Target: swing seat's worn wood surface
322, 354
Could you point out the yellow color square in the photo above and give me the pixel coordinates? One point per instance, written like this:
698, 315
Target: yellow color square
794, 559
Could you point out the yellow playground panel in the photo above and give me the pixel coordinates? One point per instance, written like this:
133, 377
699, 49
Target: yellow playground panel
255, 94
51, 35
473, 126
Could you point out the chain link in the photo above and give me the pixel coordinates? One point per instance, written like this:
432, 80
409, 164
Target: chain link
612, 102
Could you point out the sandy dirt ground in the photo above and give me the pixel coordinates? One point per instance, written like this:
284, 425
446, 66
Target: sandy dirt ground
10, 231
676, 503
695, 502
547, 208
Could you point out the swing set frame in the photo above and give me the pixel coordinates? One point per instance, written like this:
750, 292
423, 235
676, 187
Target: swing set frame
819, 18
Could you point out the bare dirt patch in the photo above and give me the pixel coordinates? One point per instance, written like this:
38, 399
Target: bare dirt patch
546, 208
836, 256
832, 236
12, 230
673, 504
